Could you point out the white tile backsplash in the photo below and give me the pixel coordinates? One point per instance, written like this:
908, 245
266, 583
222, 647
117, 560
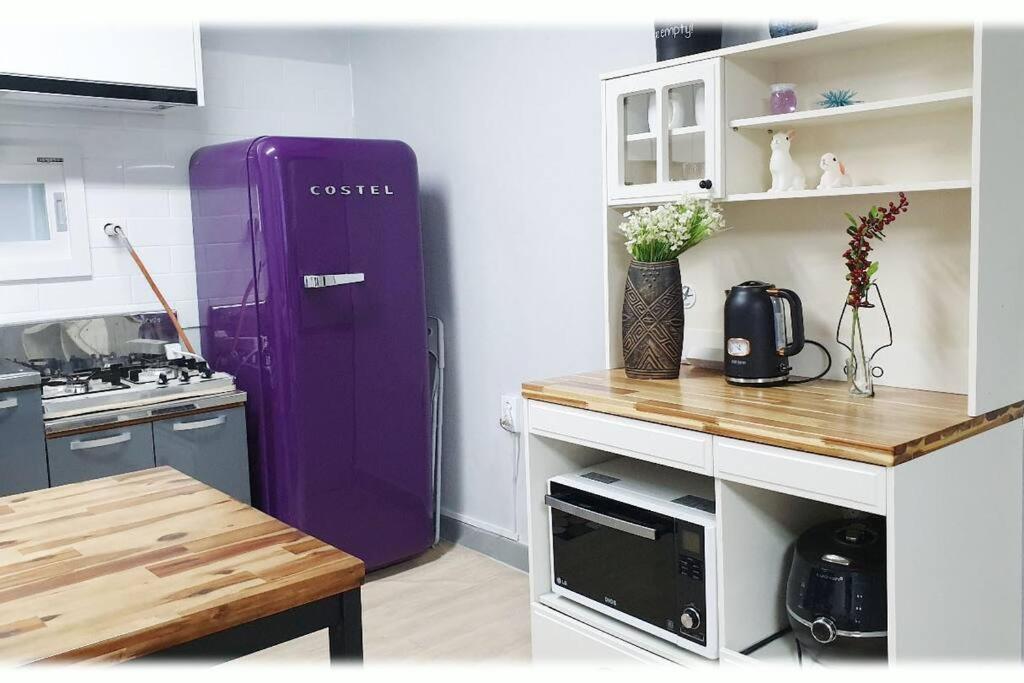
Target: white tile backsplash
136, 174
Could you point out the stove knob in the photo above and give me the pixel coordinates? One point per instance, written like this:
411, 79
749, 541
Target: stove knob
207, 373
162, 379
690, 619
823, 630
183, 377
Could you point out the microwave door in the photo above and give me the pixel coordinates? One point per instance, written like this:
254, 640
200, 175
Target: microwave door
614, 554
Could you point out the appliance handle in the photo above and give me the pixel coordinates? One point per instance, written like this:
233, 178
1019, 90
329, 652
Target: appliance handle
796, 317
640, 530
99, 443
60, 212
197, 424
9, 403
320, 281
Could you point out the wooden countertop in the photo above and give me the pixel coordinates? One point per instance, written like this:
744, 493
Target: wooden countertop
819, 417
116, 568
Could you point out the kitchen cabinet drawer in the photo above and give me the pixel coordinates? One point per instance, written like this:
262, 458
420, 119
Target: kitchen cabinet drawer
559, 638
210, 447
668, 446
22, 443
99, 454
831, 480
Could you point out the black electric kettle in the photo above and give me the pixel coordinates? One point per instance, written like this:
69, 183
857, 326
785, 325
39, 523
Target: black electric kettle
757, 347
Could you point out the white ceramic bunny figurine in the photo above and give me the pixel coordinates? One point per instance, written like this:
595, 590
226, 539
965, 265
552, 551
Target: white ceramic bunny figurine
786, 175
833, 173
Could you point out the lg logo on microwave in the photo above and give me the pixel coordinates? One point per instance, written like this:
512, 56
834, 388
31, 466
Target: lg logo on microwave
348, 190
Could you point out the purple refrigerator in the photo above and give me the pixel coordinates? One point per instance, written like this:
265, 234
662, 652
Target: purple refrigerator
310, 277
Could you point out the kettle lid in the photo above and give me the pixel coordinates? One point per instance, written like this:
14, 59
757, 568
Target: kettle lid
748, 285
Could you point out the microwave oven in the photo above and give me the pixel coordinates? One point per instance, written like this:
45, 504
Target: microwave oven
636, 542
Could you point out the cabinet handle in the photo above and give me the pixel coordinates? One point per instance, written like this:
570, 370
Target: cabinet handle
99, 443
198, 424
8, 403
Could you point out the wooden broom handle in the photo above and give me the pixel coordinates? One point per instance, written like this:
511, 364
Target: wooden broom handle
163, 302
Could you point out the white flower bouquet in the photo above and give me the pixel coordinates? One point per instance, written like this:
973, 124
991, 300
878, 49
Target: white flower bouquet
666, 231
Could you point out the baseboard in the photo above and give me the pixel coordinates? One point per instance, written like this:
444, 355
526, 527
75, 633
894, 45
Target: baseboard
498, 547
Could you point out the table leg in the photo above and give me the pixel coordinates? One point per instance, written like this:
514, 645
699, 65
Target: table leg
346, 636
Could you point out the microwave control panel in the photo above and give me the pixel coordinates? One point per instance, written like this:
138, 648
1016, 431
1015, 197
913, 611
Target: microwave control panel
691, 581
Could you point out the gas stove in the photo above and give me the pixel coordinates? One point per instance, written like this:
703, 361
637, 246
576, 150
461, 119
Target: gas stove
127, 385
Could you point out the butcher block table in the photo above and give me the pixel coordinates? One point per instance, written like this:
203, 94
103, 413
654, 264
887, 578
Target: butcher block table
156, 564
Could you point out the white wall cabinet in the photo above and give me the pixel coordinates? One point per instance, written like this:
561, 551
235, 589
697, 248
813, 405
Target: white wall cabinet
662, 133
95, 65
937, 121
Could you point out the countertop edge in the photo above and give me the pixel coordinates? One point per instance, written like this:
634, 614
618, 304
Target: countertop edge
888, 456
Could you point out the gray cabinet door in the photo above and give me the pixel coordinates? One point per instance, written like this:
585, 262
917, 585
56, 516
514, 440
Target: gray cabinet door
210, 447
22, 442
100, 454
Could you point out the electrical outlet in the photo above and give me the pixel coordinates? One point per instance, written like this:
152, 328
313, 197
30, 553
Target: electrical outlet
509, 419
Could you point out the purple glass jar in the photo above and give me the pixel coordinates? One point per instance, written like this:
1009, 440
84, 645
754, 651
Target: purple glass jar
783, 98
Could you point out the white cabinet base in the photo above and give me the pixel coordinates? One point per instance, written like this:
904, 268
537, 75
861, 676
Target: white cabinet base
559, 638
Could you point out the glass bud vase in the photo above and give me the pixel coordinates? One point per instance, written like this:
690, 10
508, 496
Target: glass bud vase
858, 365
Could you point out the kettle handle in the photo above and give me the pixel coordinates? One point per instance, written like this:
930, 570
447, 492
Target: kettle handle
796, 317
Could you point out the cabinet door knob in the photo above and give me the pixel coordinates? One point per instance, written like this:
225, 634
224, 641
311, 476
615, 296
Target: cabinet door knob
704, 184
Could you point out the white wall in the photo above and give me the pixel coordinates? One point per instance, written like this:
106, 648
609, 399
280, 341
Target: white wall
286, 82
506, 126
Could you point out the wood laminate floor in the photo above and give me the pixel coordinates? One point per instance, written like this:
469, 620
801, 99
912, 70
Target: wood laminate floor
450, 604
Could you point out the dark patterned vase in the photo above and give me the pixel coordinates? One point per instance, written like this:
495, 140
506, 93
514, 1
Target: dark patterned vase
652, 320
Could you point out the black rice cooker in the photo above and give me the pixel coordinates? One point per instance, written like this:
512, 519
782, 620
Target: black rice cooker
835, 596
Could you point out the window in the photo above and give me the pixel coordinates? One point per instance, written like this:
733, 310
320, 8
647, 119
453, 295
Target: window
43, 228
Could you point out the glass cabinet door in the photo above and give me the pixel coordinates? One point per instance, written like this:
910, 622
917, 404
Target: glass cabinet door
662, 129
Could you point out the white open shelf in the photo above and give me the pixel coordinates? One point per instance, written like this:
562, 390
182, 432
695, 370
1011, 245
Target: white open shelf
675, 132
780, 652
807, 45
889, 188
686, 130
900, 106
623, 631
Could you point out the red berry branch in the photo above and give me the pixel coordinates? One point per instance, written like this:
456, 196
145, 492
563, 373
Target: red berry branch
861, 231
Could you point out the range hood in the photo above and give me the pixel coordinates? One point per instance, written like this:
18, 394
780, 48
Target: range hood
75, 93
147, 68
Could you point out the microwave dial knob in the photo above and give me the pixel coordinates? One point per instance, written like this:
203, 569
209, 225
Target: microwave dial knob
690, 619
823, 630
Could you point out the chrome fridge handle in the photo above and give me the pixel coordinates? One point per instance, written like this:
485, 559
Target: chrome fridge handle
318, 281
640, 530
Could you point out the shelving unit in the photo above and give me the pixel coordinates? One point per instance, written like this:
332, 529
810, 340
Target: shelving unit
917, 105
939, 122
